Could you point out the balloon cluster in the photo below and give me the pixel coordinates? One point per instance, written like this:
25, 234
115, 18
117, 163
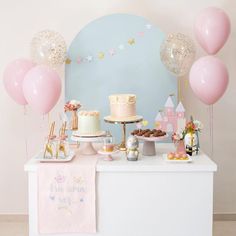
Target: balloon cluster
209, 76
37, 84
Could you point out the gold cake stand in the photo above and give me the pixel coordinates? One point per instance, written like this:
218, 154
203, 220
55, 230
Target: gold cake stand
124, 122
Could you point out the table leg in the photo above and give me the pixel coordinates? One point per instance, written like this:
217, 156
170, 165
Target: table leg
149, 148
122, 146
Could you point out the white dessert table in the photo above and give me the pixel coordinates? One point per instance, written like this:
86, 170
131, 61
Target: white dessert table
149, 197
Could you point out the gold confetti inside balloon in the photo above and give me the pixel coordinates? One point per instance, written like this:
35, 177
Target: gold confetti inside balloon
177, 53
48, 48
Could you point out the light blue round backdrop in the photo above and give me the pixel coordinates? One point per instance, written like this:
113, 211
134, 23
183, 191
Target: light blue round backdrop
134, 68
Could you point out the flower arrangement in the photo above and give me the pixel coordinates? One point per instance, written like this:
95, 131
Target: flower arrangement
192, 126
72, 105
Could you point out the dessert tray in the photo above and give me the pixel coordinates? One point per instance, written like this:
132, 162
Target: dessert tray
149, 148
152, 139
177, 160
131, 119
108, 155
40, 157
97, 134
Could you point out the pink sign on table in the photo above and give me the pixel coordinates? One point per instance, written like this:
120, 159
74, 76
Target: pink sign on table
66, 200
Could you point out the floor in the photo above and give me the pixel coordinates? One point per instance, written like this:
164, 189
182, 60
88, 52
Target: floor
20, 228
224, 228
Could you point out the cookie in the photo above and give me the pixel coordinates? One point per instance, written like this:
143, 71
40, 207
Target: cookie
139, 134
147, 135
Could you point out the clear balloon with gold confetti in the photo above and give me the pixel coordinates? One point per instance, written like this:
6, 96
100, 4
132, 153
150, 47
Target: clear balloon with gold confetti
177, 53
48, 48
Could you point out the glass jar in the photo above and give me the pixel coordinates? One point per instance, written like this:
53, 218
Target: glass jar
108, 143
50, 148
63, 148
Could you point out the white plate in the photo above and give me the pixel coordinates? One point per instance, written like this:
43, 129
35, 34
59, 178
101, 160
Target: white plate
177, 161
108, 153
98, 134
124, 119
152, 139
68, 158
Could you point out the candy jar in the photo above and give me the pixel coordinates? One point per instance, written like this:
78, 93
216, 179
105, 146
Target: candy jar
108, 143
132, 152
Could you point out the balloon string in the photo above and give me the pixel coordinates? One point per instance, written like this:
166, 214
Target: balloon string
48, 119
179, 90
42, 123
25, 132
186, 82
211, 130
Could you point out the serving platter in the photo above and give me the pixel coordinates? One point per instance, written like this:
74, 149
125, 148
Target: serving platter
40, 157
177, 160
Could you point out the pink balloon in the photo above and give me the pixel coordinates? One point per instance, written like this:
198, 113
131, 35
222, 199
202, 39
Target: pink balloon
208, 79
212, 28
13, 79
42, 88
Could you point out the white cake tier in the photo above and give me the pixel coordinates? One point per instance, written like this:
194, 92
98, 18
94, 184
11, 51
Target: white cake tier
88, 122
123, 105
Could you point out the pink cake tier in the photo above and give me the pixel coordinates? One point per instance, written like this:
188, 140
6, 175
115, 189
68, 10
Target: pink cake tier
123, 106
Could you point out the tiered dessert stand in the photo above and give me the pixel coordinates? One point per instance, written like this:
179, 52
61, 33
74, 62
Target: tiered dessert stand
131, 120
87, 141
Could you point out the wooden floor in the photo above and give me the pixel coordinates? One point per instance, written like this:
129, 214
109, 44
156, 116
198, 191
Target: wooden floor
20, 228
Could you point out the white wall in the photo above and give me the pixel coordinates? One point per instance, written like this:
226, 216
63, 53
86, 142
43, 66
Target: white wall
20, 20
